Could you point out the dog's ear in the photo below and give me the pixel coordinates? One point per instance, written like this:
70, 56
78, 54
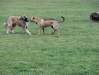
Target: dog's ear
21, 18
33, 17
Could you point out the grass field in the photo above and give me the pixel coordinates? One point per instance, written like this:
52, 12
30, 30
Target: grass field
74, 52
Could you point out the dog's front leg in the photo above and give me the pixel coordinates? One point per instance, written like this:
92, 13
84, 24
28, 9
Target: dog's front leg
43, 31
27, 31
39, 31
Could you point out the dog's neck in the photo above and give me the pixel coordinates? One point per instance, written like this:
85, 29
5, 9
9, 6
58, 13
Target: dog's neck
37, 20
26, 23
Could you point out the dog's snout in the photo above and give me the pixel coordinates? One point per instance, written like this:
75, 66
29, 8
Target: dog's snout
31, 20
26, 20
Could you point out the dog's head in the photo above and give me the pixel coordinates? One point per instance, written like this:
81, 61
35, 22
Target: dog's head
34, 19
24, 18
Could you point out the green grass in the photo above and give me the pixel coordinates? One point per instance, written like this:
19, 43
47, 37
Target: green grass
74, 52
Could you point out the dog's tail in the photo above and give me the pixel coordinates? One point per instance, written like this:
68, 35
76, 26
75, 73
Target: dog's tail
63, 19
5, 24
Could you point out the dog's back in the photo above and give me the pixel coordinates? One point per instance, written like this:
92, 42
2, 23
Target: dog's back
13, 19
49, 19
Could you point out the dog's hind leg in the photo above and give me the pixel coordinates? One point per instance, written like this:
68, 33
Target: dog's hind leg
55, 27
9, 25
54, 30
57, 31
12, 30
13, 25
7, 30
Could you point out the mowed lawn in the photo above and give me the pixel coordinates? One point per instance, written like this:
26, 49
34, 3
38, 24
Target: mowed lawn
74, 52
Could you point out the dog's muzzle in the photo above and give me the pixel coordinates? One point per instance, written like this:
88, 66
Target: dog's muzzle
26, 20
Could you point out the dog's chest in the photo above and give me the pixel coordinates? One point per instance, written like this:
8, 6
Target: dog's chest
26, 24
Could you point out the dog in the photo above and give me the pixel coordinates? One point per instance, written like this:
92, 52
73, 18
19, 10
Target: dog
21, 21
43, 23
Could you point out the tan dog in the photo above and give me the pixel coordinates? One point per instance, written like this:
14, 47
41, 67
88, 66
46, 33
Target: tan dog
21, 21
43, 23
